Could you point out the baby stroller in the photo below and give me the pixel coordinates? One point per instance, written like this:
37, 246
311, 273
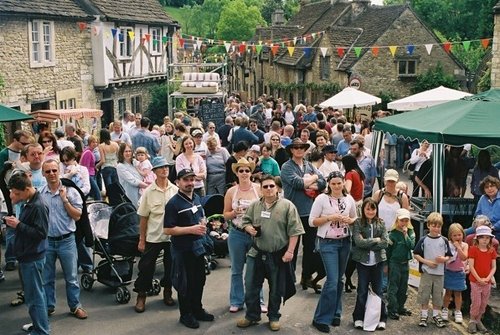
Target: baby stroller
217, 229
116, 234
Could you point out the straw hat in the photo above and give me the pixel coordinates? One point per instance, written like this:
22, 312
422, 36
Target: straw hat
242, 162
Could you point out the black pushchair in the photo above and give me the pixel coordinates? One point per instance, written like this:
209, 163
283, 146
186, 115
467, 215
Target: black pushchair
213, 206
116, 234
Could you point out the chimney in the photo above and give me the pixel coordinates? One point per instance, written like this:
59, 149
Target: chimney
359, 6
278, 18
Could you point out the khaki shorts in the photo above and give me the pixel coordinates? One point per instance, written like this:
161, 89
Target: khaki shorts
431, 285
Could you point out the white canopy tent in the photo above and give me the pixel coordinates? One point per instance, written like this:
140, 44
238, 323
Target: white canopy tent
350, 98
428, 98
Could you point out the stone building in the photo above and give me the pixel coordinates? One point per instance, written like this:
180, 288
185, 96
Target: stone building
495, 61
353, 26
103, 54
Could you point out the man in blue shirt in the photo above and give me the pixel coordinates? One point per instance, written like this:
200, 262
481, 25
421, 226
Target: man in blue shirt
310, 115
243, 134
143, 138
366, 164
345, 144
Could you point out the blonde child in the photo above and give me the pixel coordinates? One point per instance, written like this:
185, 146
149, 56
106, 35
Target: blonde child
482, 263
143, 165
454, 273
432, 252
401, 243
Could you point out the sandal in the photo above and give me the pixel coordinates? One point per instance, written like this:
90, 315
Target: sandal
19, 300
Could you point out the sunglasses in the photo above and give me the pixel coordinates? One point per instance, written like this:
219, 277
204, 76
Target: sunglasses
51, 171
275, 139
299, 147
244, 171
25, 144
270, 186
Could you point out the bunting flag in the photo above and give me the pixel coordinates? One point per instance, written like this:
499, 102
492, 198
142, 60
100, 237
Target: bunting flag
409, 49
428, 47
485, 42
181, 43
199, 43
294, 41
307, 52
466, 45
254, 49
143, 40
274, 49
290, 51
120, 37
82, 26
227, 45
375, 51
340, 52
393, 49
323, 51
313, 35
155, 42
242, 48
107, 35
96, 30
258, 48
113, 31
131, 34
447, 47
164, 39
147, 37
357, 51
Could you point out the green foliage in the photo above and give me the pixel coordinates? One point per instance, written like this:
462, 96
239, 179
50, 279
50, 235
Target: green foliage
158, 107
471, 58
386, 97
484, 83
238, 21
433, 78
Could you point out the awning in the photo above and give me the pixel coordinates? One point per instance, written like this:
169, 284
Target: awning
66, 114
8, 114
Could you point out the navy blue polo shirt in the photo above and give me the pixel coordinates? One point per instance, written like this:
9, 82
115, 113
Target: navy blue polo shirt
179, 213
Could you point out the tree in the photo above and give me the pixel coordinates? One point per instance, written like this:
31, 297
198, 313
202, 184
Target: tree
433, 78
238, 21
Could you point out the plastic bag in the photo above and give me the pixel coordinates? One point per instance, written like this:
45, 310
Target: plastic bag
372, 311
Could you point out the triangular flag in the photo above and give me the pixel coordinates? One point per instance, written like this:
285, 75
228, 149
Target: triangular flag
164, 39
181, 42
107, 35
274, 49
307, 52
155, 42
82, 26
428, 47
282, 44
242, 48
96, 30
258, 48
409, 49
294, 40
113, 31
147, 37
199, 43
485, 42
253, 48
227, 45
290, 51
447, 47
466, 45
393, 49
260, 42
375, 51
313, 35
340, 52
357, 51
131, 34
120, 37
143, 39
323, 51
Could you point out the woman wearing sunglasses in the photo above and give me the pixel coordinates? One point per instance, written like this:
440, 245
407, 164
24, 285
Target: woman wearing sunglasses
49, 144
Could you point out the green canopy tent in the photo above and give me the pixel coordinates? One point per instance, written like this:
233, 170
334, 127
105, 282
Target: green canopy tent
8, 114
474, 120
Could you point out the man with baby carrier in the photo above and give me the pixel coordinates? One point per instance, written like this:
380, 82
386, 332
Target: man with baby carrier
152, 239
185, 221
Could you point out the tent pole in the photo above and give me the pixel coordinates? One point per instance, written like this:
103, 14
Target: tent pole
438, 175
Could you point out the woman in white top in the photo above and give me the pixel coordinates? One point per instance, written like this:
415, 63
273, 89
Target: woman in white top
236, 201
108, 151
211, 133
418, 157
189, 159
333, 213
129, 177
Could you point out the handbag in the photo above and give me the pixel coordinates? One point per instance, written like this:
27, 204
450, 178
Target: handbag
373, 308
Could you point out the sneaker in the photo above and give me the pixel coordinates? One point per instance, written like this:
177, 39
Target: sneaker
245, 323
2, 276
394, 316
263, 309
438, 321
358, 324
481, 327
51, 311
444, 314
472, 328
10, 266
204, 316
79, 313
423, 321
274, 326
381, 325
189, 321
458, 317
321, 327
404, 312
27, 327
234, 309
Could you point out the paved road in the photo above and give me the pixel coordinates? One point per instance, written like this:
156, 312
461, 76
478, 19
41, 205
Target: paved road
108, 318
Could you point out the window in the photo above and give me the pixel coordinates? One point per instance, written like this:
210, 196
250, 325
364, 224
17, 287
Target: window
122, 106
62, 104
72, 103
324, 64
41, 35
126, 43
136, 104
156, 40
407, 68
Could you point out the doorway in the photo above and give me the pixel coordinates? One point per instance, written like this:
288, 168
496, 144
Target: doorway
108, 113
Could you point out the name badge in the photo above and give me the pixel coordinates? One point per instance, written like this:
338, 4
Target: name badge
194, 209
265, 214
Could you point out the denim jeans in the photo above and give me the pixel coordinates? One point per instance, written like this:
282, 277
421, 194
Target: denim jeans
66, 251
238, 244
84, 257
95, 193
109, 175
335, 254
369, 275
9, 245
257, 270
32, 273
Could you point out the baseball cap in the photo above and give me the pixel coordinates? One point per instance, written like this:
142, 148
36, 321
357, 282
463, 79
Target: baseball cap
403, 213
391, 174
184, 173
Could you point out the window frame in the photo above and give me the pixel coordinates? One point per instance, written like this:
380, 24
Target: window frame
324, 67
122, 105
156, 49
405, 74
41, 48
136, 103
127, 45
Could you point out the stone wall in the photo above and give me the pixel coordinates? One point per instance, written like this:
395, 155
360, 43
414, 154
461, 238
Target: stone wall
72, 70
495, 62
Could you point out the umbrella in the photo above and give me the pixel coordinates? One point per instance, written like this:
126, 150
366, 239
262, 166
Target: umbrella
8, 114
350, 98
474, 119
428, 98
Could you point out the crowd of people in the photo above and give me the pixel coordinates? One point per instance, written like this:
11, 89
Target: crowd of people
291, 176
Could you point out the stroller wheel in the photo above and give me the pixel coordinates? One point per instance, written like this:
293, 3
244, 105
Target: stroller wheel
122, 295
87, 281
212, 265
155, 288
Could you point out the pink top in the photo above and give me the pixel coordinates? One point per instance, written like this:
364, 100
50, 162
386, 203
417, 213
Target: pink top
88, 160
198, 166
455, 264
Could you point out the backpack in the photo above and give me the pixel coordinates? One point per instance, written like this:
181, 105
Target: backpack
398, 196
